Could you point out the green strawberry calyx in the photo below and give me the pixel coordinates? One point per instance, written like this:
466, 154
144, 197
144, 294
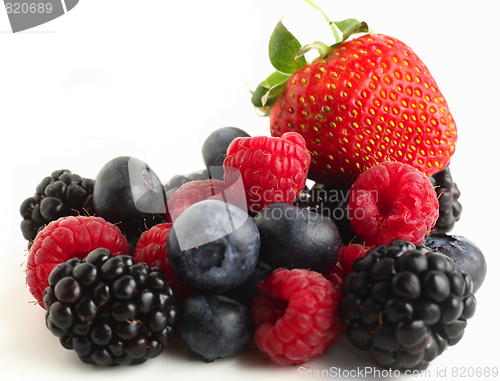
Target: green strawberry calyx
287, 56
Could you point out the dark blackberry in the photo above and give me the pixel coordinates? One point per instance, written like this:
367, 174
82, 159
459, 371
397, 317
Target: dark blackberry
332, 203
110, 310
405, 304
59, 195
307, 199
448, 193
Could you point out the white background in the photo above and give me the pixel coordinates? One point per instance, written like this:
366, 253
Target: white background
152, 79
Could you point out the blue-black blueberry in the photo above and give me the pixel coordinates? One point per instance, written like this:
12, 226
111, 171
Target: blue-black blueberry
293, 237
215, 146
466, 255
213, 246
214, 325
127, 192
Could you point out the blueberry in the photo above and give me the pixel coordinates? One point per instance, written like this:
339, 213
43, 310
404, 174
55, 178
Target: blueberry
213, 246
293, 237
465, 254
127, 192
247, 291
215, 146
214, 325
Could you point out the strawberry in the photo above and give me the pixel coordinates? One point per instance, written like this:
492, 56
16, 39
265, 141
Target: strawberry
363, 101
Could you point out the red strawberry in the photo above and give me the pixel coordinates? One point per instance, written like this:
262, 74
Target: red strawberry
364, 101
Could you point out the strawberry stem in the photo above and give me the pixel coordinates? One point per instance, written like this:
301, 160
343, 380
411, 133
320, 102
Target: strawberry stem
287, 56
337, 33
322, 49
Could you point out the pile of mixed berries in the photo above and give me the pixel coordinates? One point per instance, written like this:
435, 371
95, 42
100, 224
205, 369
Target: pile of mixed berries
244, 251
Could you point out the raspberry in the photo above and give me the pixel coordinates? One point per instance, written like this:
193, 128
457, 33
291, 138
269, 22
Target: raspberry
66, 238
61, 194
152, 250
392, 201
192, 192
273, 169
109, 310
405, 304
347, 255
295, 316
178, 180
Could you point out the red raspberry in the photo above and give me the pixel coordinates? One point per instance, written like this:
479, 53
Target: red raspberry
347, 256
66, 238
295, 316
195, 191
152, 249
273, 169
392, 200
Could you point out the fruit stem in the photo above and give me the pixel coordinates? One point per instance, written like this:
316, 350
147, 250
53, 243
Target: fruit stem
337, 33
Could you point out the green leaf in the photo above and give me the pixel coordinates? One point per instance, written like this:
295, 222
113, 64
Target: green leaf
269, 90
351, 26
257, 95
283, 47
322, 49
274, 79
273, 94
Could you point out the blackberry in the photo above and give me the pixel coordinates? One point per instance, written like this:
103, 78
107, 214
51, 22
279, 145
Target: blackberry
448, 193
307, 199
59, 195
110, 310
330, 202
405, 304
